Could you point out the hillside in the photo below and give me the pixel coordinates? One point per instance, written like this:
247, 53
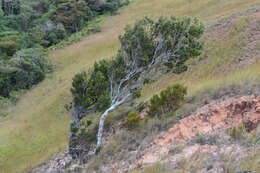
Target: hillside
38, 125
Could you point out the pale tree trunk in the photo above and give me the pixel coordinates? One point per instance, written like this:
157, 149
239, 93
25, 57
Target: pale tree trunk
101, 127
102, 121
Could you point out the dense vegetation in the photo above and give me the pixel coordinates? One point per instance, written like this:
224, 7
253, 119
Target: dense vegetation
26, 68
28, 26
166, 42
148, 48
168, 100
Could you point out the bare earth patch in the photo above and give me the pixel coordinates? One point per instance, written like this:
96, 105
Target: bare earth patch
210, 118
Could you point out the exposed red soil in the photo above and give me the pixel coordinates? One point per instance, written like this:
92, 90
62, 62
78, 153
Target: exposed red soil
212, 117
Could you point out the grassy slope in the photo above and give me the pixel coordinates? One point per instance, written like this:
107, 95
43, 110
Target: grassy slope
38, 126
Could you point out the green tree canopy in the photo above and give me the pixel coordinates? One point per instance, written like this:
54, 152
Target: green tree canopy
164, 43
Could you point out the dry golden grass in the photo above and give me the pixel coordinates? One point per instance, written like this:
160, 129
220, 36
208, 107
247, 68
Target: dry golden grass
38, 124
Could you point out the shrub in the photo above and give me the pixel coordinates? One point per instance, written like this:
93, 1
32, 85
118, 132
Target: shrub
168, 100
9, 44
200, 139
237, 132
137, 93
133, 119
112, 5
27, 68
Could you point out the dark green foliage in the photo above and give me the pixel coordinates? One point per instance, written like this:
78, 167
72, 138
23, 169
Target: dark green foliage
9, 44
189, 30
10, 7
138, 42
91, 89
174, 38
137, 93
167, 41
55, 35
72, 14
168, 100
101, 6
47, 22
26, 68
27, 25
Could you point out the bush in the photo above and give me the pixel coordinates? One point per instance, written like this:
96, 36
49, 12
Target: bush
200, 139
238, 132
137, 93
133, 119
168, 100
27, 68
111, 5
9, 45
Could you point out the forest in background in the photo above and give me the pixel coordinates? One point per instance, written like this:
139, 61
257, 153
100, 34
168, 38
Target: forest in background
28, 27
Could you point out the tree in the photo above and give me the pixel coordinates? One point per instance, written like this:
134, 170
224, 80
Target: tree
72, 14
28, 67
38, 24
147, 46
10, 7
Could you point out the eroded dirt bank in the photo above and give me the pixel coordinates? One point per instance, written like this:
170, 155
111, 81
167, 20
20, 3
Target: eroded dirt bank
210, 118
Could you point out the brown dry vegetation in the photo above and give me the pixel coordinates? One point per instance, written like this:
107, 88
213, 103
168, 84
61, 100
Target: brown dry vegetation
37, 126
